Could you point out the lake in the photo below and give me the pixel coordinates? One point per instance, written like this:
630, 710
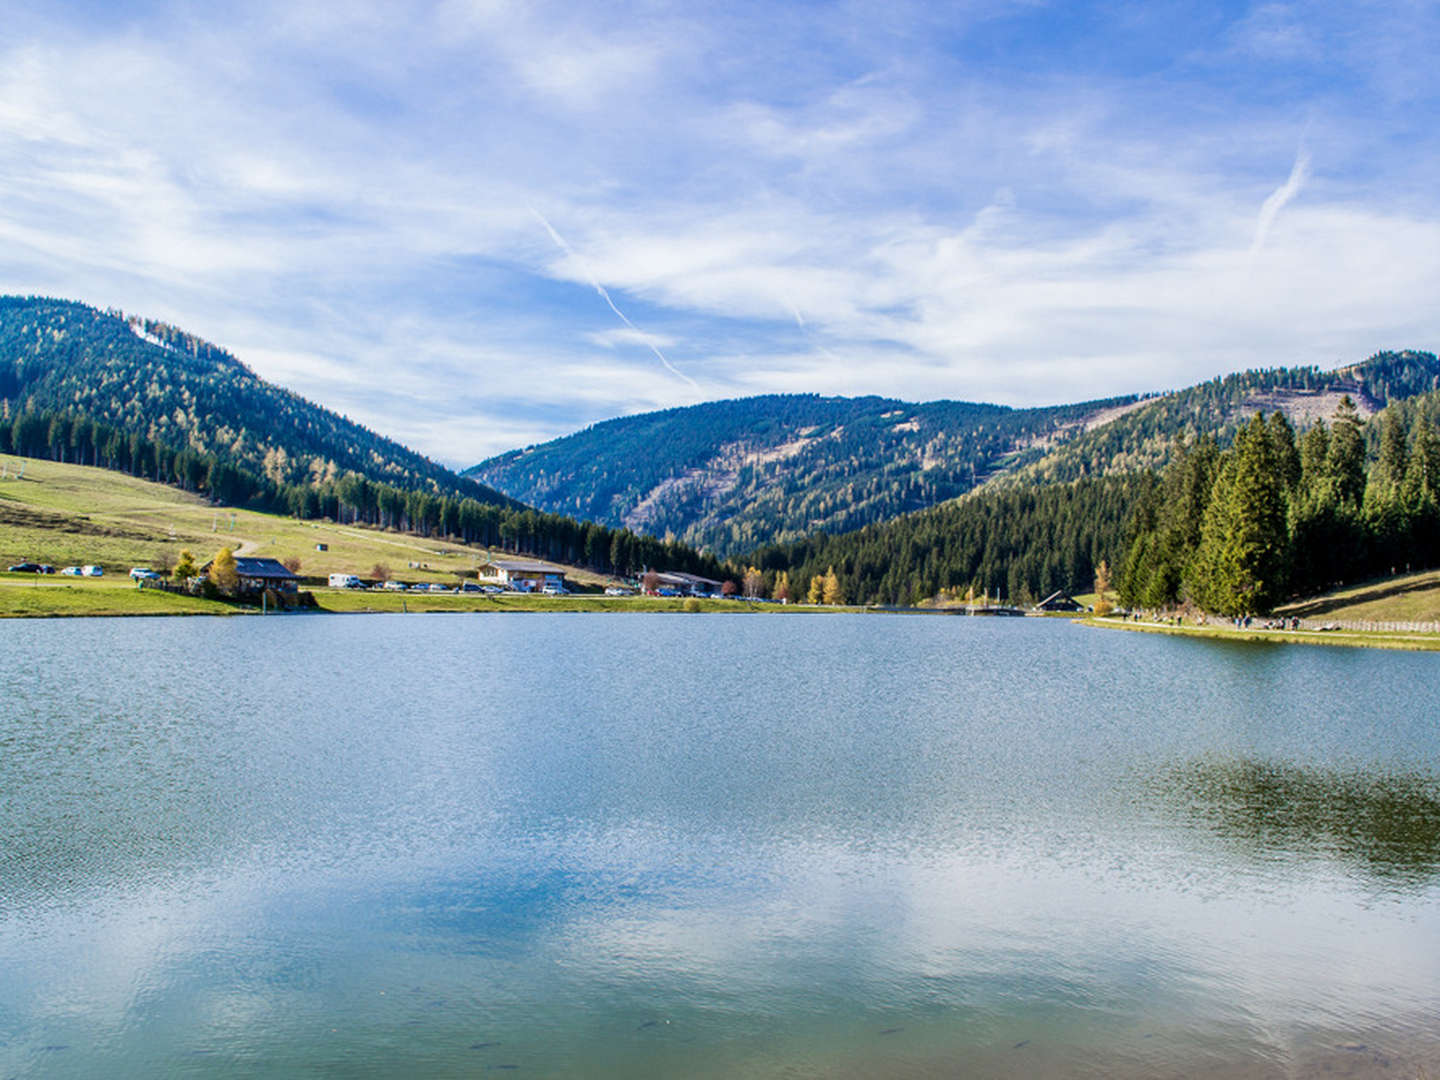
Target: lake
711, 846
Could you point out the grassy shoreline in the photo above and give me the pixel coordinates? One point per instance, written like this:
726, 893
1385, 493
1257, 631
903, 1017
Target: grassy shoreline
1364, 639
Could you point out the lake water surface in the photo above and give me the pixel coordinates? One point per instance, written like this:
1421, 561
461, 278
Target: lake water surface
711, 846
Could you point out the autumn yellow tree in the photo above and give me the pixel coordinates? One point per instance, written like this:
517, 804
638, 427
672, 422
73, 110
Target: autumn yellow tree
817, 588
223, 573
833, 593
1102, 588
781, 591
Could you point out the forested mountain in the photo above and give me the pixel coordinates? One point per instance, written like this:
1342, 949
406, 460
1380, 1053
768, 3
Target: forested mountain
94, 388
731, 475
1232, 531
735, 475
148, 378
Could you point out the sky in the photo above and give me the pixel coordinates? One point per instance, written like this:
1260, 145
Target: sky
474, 225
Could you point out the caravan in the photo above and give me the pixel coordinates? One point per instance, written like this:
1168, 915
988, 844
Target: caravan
345, 581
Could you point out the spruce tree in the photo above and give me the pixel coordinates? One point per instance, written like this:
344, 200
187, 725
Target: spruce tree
1239, 568
1346, 463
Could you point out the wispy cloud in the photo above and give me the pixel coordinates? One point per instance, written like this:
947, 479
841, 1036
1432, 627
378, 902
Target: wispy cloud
894, 199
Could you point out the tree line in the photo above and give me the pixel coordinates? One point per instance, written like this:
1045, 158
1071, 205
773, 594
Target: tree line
348, 499
1020, 543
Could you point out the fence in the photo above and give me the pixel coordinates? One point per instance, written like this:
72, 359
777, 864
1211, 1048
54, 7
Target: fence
1372, 625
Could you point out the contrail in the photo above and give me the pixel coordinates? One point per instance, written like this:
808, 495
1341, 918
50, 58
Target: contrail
595, 283
805, 329
1277, 200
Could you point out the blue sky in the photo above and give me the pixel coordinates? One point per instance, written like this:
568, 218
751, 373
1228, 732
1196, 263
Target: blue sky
474, 224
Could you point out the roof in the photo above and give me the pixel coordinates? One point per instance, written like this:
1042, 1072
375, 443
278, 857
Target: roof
258, 568
261, 568
676, 577
525, 566
1059, 597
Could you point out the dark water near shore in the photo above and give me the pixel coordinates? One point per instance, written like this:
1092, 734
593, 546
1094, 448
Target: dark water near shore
714, 846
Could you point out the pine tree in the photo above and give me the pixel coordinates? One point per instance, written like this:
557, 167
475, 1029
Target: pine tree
185, 569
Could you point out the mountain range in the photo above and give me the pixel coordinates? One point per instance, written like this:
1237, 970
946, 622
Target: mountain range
763, 479
734, 475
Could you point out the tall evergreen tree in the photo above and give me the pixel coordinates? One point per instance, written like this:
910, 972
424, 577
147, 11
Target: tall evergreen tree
1346, 461
1282, 445
1239, 568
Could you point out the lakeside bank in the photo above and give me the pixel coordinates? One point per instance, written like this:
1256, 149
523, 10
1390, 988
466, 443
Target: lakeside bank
30, 597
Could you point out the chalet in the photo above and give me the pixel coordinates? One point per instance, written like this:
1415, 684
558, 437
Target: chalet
257, 575
523, 575
1059, 601
686, 584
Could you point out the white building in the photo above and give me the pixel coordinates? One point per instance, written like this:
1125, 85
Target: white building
523, 575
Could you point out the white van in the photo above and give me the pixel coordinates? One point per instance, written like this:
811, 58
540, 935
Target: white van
345, 581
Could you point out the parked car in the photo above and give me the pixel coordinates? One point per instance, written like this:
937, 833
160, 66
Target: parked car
395, 586
618, 590
470, 586
92, 571
25, 568
554, 590
435, 586
140, 573
491, 589
72, 571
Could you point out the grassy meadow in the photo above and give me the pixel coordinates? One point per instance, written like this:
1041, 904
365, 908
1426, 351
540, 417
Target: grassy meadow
74, 514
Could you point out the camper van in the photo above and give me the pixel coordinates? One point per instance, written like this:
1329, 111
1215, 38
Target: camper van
345, 581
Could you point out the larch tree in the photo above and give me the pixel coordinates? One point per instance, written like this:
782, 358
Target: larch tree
223, 573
